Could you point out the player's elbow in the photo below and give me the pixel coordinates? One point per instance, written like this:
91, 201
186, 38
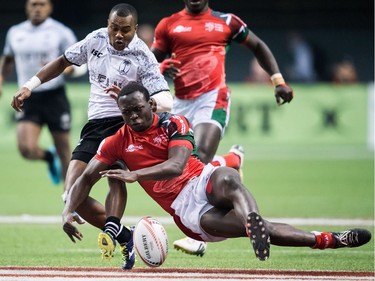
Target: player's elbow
176, 170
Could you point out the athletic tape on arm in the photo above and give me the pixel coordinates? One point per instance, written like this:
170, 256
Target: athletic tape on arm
164, 101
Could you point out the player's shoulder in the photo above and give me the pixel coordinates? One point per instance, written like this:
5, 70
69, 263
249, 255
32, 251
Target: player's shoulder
172, 18
139, 45
171, 120
20, 26
56, 23
163, 117
229, 18
100, 34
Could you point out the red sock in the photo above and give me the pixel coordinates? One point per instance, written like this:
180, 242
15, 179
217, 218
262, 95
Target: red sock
324, 240
232, 160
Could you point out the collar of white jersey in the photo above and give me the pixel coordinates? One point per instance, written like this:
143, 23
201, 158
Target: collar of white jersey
45, 23
133, 42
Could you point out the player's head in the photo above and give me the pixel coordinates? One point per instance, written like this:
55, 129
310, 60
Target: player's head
38, 11
136, 106
122, 25
196, 6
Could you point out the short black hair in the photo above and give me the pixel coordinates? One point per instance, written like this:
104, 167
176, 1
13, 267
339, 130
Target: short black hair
132, 87
124, 10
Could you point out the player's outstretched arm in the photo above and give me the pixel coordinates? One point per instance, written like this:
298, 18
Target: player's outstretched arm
48, 72
266, 59
77, 194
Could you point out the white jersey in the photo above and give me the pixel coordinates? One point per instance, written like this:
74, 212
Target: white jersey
107, 67
34, 46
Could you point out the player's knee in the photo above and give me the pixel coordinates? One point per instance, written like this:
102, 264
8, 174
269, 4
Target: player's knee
25, 152
232, 182
205, 156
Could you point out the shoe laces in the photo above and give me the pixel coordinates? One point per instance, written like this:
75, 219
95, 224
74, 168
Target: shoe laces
125, 252
347, 238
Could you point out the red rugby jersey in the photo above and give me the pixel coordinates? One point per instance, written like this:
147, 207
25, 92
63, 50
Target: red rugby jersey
145, 149
200, 42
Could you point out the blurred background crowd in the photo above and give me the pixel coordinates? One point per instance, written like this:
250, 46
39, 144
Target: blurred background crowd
313, 41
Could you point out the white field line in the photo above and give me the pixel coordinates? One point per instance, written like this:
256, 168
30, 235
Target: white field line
92, 274
32, 219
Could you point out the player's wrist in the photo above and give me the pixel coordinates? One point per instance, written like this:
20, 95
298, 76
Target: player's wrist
277, 79
64, 196
32, 83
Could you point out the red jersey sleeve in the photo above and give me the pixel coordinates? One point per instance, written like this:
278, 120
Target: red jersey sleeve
180, 132
239, 28
108, 149
161, 41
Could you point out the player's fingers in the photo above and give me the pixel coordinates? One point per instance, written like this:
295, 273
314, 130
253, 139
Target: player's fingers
78, 219
172, 61
72, 231
277, 99
71, 238
14, 104
78, 235
113, 95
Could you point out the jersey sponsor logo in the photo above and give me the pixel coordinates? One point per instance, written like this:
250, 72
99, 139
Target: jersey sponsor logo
132, 148
124, 67
96, 53
181, 28
160, 139
212, 26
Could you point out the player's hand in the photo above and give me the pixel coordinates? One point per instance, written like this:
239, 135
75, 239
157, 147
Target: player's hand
168, 67
283, 94
69, 228
113, 91
18, 99
119, 174
77, 218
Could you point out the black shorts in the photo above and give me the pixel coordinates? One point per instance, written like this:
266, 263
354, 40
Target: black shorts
92, 135
47, 107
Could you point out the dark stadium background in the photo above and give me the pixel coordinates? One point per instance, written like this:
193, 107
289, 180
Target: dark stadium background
335, 28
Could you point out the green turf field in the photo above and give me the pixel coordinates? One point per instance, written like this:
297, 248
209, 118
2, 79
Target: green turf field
304, 180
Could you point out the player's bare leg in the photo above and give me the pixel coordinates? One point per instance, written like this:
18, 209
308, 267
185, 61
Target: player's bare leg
28, 134
62, 144
207, 138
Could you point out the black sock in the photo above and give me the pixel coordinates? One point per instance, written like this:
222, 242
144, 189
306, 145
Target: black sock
117, 230
48, 156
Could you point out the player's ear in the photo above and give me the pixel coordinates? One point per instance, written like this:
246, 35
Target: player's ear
152, 104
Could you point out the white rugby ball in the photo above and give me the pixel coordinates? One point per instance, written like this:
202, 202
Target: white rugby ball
151, 241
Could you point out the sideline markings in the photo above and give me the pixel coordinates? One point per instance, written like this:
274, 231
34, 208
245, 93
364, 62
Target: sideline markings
32, 219
90, 273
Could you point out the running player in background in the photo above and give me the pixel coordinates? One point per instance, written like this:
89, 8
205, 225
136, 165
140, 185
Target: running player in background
191, 46
115, 56
29, 46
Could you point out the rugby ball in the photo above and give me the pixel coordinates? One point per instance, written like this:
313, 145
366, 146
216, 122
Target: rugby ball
150, 241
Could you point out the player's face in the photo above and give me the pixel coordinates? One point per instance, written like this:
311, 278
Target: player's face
121, 31
196, 6
136, 111
38, 10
